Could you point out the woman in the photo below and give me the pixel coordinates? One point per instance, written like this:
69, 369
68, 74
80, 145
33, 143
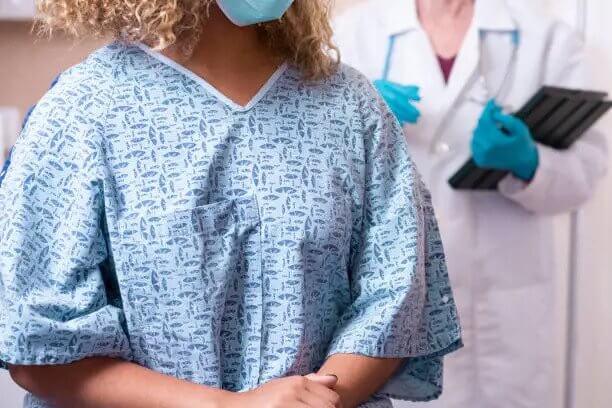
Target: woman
466, 54
224, 217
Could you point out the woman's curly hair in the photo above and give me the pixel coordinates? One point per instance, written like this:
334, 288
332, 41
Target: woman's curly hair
303, 36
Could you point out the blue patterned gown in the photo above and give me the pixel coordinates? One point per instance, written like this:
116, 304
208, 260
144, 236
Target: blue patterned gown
147, 217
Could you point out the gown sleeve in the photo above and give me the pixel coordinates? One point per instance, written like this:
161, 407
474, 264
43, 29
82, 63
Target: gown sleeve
57, 303
402, 304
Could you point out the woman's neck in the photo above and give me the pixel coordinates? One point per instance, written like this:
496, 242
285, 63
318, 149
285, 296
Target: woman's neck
225, 45
436, 9
235, 60
446, 23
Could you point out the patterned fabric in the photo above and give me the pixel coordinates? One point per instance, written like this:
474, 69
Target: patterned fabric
147, 217
5, 166
7, 162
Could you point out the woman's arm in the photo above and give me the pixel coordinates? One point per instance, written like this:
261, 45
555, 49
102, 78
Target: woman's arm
359, 377
111, 383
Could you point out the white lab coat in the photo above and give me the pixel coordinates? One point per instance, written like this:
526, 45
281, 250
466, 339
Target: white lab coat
499, 244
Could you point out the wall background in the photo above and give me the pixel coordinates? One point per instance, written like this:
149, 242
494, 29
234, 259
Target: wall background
594, 355
30, 63
27, 66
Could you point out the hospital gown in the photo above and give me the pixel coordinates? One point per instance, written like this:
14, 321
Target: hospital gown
147, 217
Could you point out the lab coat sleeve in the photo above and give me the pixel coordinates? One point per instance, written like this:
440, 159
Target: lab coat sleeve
565, 179
402, 303
57, 303
360, 35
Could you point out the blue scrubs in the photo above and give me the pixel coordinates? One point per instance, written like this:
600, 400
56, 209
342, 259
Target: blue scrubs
147, 217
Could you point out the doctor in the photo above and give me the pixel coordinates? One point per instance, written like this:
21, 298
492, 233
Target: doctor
463, 54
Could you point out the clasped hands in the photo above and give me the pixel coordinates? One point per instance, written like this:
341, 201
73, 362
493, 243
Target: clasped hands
311, 391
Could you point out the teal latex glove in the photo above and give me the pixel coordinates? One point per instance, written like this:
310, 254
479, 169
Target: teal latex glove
504, 142
399, 98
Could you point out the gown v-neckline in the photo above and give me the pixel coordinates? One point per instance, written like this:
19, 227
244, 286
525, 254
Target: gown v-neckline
210, 88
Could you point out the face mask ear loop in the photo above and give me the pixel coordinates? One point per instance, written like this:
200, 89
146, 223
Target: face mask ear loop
387, 66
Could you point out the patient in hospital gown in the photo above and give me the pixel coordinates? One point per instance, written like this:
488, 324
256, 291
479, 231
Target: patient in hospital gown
147, 217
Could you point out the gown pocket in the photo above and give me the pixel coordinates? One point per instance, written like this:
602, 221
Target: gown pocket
183, 273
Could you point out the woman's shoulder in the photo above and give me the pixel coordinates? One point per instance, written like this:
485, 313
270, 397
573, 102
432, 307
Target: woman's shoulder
350, 86
105, 65
346, 72
348, 95
88, 88
80, 99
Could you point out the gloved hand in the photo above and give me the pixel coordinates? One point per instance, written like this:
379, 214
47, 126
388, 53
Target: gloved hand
400, 98
504, 142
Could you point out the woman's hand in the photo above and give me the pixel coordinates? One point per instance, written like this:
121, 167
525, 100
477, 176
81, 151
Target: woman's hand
359, 377
289, 392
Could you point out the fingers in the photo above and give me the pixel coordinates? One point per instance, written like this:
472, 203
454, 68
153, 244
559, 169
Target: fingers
412, 113
313, 400
488, 141
380, 85
410, 92
399, 98
492, 128
491, 108
328, 381
486, 145
323, 391
387, 85
403, 109
511, 123
317, 392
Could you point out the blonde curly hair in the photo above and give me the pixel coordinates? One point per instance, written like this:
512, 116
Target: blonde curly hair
303, 36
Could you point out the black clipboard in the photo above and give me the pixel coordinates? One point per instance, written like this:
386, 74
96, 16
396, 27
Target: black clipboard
557, 117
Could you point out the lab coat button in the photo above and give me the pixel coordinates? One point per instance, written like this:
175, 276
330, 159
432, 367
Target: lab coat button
445, 299
441, 148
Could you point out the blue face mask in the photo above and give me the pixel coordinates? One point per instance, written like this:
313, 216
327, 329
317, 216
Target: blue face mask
248, 12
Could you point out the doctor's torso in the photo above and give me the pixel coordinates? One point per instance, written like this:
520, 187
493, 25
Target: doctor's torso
440, 142
500, 255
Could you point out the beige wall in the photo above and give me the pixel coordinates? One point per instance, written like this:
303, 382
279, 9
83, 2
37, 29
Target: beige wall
29, 63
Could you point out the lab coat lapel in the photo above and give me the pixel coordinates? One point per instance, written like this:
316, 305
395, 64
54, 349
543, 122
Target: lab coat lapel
465, 66
464, 72
413, 61
489, 15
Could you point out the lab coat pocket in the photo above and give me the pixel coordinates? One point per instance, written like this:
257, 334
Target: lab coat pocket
183, 272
